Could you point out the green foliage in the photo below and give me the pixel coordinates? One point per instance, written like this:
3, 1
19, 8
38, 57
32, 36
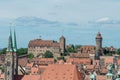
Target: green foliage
31, 56
73, 48
2, 68
61, 58
3, 51
22, 51
118, 51
48, 54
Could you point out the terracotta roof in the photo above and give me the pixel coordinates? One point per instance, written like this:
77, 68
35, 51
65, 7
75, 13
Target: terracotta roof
34, 70
27, 77
78, 60
98, 77
90, 67
2, 76
44, 60
87, 49
43, 43
31, 77
103, 70
118, 62
109, 60
62, 72
79, 55
101, 77
29, 65
22, 61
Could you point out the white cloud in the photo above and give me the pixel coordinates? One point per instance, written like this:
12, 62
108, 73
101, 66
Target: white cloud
104, 19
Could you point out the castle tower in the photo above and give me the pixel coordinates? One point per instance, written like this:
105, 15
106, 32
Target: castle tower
9, 60
62, 44
15, 55
98, 45
98, 41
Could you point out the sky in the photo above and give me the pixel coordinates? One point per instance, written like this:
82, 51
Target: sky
78, 20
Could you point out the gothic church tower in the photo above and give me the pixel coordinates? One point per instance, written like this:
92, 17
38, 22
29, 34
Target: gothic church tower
11, 59
15, 55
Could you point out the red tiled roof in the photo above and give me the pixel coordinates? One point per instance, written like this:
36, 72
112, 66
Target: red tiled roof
118, 62
44, 60
22, 61
62, 72
43, 43
109, 60
90, 67
78, 60
79, 55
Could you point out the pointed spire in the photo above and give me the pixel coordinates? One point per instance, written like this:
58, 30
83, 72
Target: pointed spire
15, 42
10, 44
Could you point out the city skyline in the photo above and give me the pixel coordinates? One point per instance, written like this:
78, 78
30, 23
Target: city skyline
81, 20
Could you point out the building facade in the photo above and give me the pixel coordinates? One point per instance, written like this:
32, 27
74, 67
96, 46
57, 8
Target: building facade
38, 47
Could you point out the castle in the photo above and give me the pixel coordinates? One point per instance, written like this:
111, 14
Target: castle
38, 47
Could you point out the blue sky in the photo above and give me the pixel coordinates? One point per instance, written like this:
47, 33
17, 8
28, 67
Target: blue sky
78, 20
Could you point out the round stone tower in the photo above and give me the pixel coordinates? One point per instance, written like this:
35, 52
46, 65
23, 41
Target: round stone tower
62, 44
98, 41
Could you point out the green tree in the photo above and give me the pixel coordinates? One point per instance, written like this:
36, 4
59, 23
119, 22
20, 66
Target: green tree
118, 51
71, 48
48, 54
2, 68
61, 58
22, 51
3, 51
31, 56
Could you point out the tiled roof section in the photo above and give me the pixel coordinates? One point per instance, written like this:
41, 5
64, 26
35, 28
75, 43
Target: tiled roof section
90, 67
34, 70
79, 55
31, 77
22, 61
87, 49
62, 72
109, 60
101, 77
118, 62
78, 60
2, 76
103, 70
96, 62
98, 77
27, 77
43, 43
44, 60
30, 65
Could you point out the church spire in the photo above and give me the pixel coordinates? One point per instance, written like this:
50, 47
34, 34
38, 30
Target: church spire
15, 42
10, 44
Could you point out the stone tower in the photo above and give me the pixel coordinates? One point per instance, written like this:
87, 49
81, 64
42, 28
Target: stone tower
98, 45
98, 41
15, 55
9, 60
62, 44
